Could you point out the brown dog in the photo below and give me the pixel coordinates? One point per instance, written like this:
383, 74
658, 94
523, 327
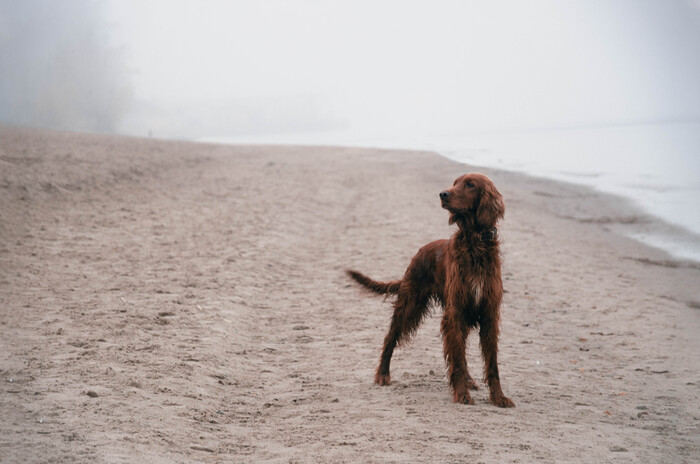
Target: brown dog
463, 274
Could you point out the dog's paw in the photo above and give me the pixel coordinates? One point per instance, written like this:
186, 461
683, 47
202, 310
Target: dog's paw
462, 397
382, 379
503, 402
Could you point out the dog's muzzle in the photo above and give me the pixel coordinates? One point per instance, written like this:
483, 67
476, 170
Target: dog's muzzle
444, 198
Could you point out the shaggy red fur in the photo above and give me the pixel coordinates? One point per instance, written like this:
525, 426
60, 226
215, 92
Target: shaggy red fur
463, 274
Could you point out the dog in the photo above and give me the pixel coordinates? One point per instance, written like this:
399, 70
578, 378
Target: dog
463, 275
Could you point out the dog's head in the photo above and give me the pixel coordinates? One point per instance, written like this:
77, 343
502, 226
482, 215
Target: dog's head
473, 198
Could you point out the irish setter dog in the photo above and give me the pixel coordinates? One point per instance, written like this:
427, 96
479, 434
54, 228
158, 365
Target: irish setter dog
463, 274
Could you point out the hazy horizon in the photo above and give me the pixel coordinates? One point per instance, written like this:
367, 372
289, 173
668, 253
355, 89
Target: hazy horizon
189, 69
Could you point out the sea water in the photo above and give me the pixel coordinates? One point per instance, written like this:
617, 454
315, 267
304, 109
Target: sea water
656, 166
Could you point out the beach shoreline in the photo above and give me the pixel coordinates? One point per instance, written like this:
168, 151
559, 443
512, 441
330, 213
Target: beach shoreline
186, 302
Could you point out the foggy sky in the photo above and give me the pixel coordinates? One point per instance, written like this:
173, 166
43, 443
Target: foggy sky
403, 65
57, 68
198, 68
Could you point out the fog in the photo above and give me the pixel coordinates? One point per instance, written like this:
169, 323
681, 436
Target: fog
192, 69
58, 69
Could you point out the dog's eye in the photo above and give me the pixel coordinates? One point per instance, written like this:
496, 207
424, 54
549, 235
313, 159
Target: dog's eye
469, 184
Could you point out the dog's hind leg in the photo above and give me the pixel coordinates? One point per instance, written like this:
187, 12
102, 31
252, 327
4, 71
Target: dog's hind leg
410, 308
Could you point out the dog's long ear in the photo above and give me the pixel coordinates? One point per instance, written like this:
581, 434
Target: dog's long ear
491, 207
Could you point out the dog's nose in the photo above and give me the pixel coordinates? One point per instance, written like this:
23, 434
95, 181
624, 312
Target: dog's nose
444, 195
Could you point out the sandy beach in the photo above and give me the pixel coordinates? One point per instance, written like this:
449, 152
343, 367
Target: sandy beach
166, 301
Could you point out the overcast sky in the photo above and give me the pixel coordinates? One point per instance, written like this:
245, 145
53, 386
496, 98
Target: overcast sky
197, 68
409, 64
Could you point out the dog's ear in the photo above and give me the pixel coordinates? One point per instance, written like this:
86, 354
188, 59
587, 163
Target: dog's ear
491, 207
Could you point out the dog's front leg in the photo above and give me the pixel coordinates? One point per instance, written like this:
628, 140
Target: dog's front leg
488, 334
454, 334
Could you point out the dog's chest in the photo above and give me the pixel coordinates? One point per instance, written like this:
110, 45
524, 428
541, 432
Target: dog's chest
472, 274
474, 279
476, 287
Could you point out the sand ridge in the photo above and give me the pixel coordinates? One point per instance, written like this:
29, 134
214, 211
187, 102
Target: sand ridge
178, 302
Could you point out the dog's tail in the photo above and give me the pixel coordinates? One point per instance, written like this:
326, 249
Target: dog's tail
383, 288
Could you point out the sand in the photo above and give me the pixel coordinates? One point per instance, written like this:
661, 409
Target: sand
166, 301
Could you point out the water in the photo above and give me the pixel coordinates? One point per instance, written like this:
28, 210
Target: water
657, 166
